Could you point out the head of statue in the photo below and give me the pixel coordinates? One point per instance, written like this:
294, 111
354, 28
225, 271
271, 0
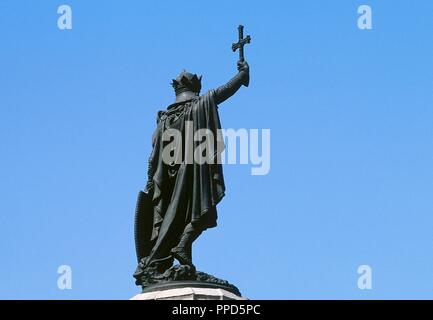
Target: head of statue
186, 85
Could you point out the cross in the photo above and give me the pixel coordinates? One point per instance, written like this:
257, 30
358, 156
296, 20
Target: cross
240, 44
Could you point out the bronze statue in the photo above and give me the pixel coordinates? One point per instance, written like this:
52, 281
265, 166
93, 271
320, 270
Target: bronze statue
180, 199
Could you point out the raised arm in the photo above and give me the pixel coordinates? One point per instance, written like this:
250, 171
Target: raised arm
242, 78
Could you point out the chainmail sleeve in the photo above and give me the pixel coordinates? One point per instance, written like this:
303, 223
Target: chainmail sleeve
225, 91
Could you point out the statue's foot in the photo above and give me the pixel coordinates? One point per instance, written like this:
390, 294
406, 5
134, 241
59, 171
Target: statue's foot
154, 273
151, 277
181, 256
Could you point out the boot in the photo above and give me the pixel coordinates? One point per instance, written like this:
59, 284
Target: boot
183, 251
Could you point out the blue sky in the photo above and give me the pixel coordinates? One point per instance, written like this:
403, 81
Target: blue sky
349, 110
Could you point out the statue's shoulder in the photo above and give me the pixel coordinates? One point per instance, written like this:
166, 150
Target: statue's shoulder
208, 95
208, 98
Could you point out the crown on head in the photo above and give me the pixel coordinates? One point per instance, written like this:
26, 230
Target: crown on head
186, 81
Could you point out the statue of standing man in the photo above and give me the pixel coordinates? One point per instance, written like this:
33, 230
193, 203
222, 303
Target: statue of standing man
180, 198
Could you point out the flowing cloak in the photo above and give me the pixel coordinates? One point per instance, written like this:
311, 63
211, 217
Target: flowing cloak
186, 191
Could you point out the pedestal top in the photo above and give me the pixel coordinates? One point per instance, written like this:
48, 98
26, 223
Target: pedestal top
188, 293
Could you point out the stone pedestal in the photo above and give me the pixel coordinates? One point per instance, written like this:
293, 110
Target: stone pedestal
189, 290
188, 294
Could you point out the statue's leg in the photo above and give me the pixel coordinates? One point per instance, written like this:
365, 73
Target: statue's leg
183, 251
